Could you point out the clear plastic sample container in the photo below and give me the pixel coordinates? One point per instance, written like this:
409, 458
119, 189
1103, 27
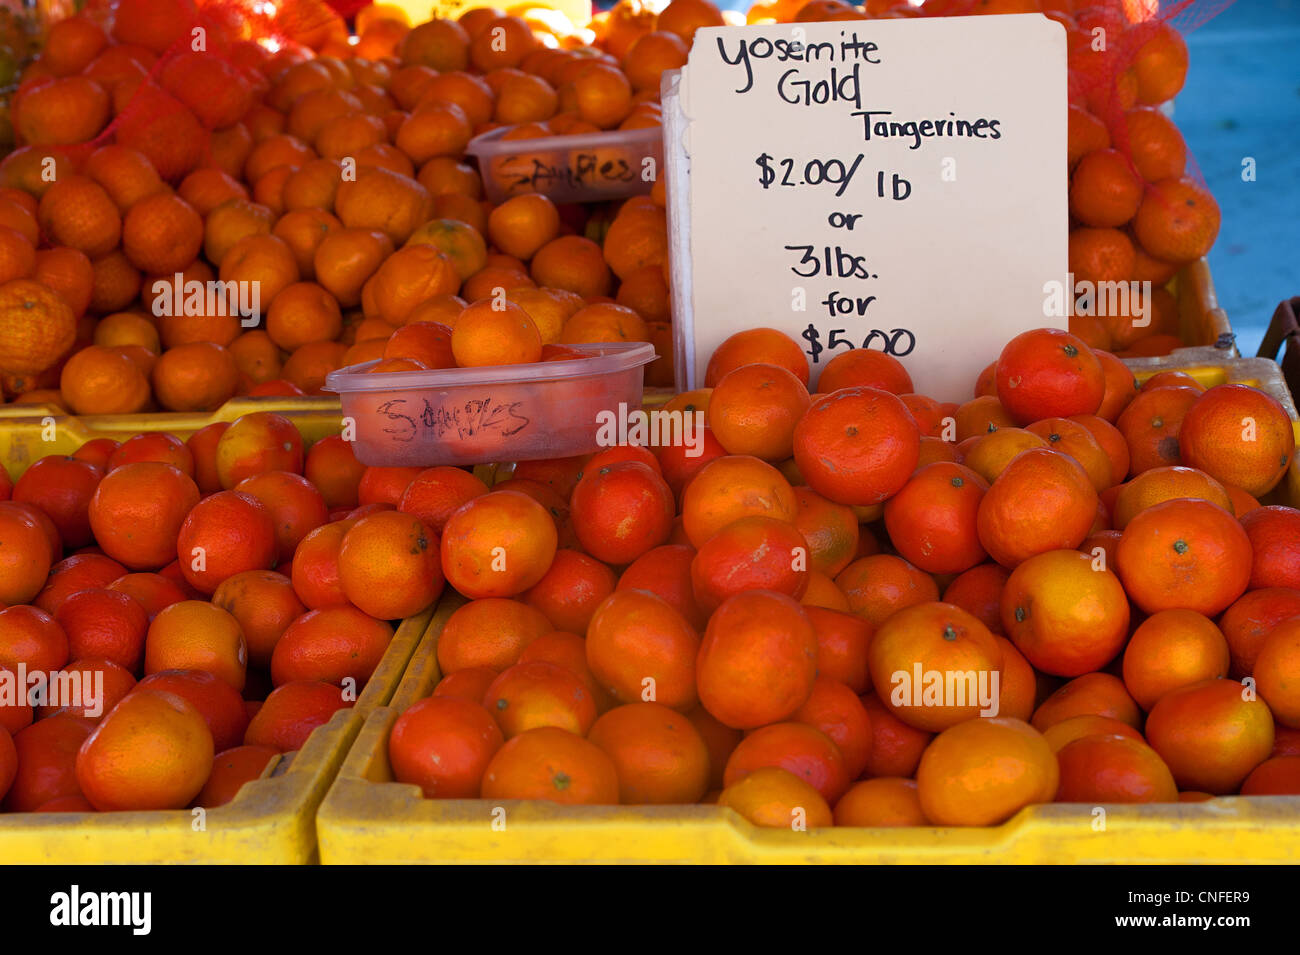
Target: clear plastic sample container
465, 416
586, 167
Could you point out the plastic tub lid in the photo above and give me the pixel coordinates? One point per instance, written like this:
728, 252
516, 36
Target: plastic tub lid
491, 143
607, 358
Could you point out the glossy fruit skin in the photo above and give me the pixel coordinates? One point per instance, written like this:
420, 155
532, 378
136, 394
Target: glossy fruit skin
1274, 533
571, 590
1172, 649
443, 745
1042, 501
1239, 435
1065, 614
660, 755
842, 641
1184, 554
637, 644
552, 764
879, 586
540, 693
490, 632
961, 784
181, 752
865, 367
62, 487
831, 530
31, 637
927, 639
767, 638
857, 446
226, 533
484, 529
26, 559
8, 761
622, 510
754, 410
775, 798
333, 645
218, 702
47, 752
801, 749
405, 584
753, 553
1275, 671
1048, 373
1113, 769
106, 625
1251, 618
258, 442
1059, 735
265, 604
1072, 438
1211, 734
292, 712
231, 769
836, 711
128, 498
979, 592
1277, 776
880, 802
196, 635
1165, 484
932, 520
729, 488
1093, 694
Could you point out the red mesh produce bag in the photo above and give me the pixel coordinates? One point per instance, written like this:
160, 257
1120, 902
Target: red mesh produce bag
1123, 54
186, 69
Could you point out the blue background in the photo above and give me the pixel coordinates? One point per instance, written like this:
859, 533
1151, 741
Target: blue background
1242, 99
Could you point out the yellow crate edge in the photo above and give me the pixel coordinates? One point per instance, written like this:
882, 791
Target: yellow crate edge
368, 819
25, 438
272, 820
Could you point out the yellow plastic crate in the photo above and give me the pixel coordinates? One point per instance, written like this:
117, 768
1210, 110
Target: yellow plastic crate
270, 821
367, 817
30, 432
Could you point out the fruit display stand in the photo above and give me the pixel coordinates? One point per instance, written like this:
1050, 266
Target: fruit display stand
401, 244
367, 817
270, 821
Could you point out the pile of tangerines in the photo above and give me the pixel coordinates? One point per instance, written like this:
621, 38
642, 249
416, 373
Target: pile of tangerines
333, 175
148, 568
646, 626
642, 625
332, 178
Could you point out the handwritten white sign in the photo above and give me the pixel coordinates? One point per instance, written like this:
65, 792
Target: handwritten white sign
889, 184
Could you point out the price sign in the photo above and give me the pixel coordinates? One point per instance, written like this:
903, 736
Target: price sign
888, 184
